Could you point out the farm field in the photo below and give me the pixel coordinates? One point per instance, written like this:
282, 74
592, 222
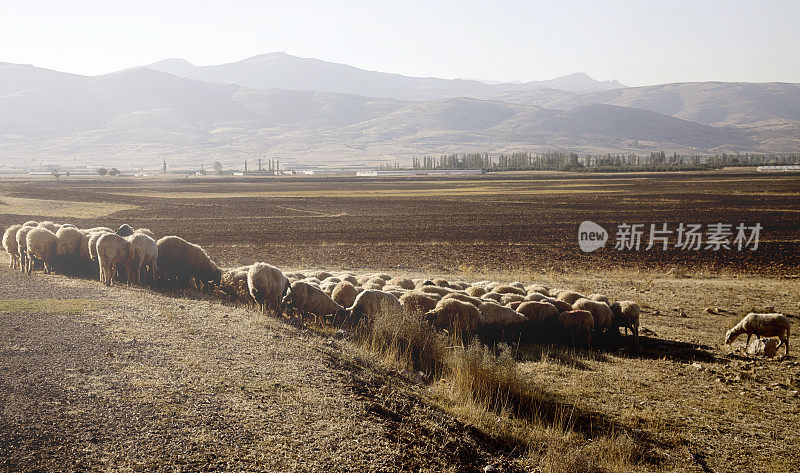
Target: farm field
191, 382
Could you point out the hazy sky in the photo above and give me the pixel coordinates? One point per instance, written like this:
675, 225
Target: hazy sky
637, 42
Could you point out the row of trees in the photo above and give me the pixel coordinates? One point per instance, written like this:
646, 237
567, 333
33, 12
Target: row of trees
561, 160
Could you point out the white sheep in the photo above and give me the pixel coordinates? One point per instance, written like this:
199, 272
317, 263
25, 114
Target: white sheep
143, 253
267, 285
10, 245
40, 243
344, 293
233, 283
68, 246
457, 317
22, 246
52, 226
417, 302
626, 314
369, 304
579, 324
601, 312
569, 296
509, 289
113, 252
599, 298
496, 314
185, 261
308, 299
761, 325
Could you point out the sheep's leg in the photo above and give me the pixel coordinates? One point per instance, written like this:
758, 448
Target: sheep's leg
747, 345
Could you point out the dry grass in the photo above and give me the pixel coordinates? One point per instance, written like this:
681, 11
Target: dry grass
59, 209
50, 306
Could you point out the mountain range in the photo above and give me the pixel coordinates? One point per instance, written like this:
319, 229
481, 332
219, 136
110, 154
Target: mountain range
312, 112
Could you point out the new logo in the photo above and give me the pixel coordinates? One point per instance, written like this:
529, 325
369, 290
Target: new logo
591, 236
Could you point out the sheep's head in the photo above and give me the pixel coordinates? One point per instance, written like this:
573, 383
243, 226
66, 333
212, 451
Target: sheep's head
730, 336
125, 230
287, 299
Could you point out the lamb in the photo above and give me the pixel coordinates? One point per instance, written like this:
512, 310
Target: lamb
578, 324
761, 325
143, 252
626, 314
40, 243
417, 302
369, 304
10, 245
601, 312
113, 252
267, 285
179, 259
344, 294
308, 299
569, 296
457, 317
124, 230
509, 289
22, 246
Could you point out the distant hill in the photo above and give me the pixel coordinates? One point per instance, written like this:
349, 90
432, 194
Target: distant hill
137, 117
284, 71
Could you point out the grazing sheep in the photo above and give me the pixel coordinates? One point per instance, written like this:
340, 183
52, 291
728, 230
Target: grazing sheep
22, 246
146, 231
93, 243
40, 243
579, 324
440, 282
383, 276
538, 313
113, 252
517, 284
10, 245
492, 296
376, 281
99, 229
599, 298
344, 294
349, 278
124, 230
233, 283
601, 312
179, 259
143, 252
405, 283
626, 314
331, 279
509, 289
514, 305
308, 299
475, 291
369, 304
457, 317
559, 304
30, 223
68, 246
441, 291
267, 285
460, 285
417, 302
464, 298
536, 296
761, 325
537, 289
569, 296
499, 315
321, 275
53, 227
509, 298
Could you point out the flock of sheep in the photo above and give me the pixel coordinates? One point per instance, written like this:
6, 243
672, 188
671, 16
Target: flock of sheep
486, 309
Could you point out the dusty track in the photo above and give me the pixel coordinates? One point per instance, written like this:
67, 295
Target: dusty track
150, 382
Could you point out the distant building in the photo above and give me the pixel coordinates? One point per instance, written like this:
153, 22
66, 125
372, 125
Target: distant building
786, 168
422, 172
